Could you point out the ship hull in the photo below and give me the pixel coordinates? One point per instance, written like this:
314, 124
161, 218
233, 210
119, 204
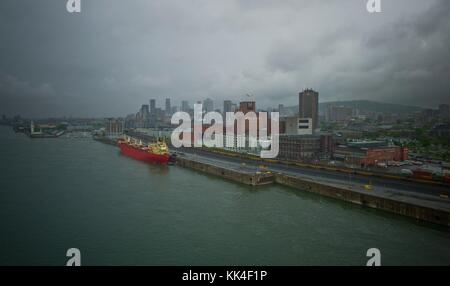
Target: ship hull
143, 155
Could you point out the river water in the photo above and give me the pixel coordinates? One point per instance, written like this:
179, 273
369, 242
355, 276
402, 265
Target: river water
56, 194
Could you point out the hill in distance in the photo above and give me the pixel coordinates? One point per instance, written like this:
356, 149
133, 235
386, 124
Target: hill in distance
362, 105
372, 106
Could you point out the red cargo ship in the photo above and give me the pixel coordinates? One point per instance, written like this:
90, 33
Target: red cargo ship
152, 153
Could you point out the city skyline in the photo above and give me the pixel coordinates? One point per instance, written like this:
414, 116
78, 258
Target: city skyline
102, 63
226, 133
232, 106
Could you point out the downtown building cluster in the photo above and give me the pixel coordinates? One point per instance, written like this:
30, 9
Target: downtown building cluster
308, 132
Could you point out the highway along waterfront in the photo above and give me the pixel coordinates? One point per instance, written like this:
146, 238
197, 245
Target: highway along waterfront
424, 201
56, 194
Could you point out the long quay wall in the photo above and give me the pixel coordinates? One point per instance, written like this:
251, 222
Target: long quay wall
341, 193
393, 206
252, 179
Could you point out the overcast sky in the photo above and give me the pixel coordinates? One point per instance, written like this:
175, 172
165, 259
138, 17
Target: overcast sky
115, 55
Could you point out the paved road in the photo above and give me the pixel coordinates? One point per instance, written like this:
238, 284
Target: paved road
423, 194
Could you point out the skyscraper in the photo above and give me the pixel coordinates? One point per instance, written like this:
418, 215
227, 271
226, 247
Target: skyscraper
227, 106
309, 106
185, 106
168, 107
144, 112
208, 105
152, 107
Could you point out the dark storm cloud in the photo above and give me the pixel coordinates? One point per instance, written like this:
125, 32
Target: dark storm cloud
405, 61
116, 55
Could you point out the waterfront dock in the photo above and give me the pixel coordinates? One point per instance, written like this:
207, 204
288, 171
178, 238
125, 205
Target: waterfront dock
422, 202
106, 140
241, 174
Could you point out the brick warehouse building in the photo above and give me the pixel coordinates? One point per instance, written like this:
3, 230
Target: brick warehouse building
367, 154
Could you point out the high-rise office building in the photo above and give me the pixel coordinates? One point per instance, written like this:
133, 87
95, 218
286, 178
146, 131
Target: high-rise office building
227, 106
168, 107
234, 107
309, 106
152, 107
144, 112
208, 105
185, 106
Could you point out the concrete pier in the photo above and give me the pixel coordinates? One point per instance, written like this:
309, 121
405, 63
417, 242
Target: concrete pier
434, 215
234, 174
423, 208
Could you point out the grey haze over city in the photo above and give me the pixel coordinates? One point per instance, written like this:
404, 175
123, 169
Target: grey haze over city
116, 55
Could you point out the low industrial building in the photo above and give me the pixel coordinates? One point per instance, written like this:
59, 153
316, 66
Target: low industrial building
305, 147
370, 153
